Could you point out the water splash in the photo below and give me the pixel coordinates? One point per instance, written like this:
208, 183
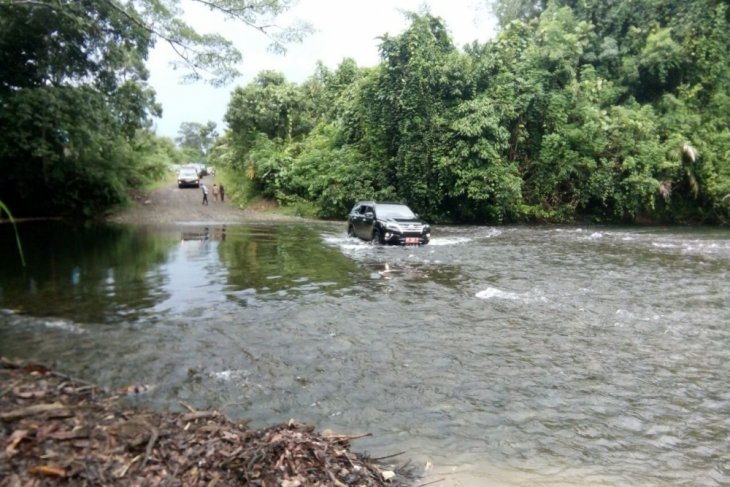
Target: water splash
494, 293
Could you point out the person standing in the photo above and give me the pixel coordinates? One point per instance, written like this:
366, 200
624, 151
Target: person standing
205, 193
215, 193
223, 193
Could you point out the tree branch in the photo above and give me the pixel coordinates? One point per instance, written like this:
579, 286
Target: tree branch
200, 53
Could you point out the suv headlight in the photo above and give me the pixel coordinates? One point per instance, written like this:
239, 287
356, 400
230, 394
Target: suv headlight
393, 227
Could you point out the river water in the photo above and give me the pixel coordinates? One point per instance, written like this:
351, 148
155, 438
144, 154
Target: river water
495, 356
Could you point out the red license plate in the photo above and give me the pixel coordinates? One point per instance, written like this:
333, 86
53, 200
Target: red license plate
412, 240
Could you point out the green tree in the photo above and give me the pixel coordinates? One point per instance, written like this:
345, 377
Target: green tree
75, 106
269, 105
419, 79
197, 138
208, 57
154, 156
522, 10
673, 56
73, 97
264, 118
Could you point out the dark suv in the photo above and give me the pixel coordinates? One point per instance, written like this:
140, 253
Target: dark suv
387, 223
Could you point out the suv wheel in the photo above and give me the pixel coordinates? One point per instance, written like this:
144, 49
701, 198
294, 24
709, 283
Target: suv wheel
350, 231
377, 238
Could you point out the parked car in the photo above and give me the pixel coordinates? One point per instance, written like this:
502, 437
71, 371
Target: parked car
387, 223
200, 168
188, 176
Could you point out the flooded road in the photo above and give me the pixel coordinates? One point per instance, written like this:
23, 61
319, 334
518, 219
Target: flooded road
497, 355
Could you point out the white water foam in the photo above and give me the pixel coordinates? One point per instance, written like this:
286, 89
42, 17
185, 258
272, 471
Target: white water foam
438, 242
64, 325
494, 293
529, 297
347, 243
228, 375
664, 245
355, 244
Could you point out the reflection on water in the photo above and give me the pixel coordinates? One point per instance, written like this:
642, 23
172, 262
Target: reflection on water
107, 273
501, 356
82, 274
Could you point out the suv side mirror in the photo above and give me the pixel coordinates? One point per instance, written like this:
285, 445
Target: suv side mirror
369, 215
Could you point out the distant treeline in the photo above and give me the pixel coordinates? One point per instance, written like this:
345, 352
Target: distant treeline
592, 110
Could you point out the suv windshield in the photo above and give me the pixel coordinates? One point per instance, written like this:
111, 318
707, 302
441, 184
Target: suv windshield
394, 211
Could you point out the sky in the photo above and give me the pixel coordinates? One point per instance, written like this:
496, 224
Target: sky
343, 28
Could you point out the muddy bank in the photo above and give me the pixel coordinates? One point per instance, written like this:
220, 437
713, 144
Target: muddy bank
55, 430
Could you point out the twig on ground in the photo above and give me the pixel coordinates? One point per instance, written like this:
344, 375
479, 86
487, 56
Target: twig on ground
150, 446
377, 459
188, 407
32, 410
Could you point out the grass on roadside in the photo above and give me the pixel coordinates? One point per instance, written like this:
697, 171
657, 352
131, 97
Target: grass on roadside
168, 178
240, 191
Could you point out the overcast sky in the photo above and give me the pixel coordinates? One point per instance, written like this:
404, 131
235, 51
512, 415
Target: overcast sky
344, 28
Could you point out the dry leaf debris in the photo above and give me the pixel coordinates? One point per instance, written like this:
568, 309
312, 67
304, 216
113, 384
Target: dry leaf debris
58, 431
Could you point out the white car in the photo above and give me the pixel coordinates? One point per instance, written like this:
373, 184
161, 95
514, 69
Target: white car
188, 176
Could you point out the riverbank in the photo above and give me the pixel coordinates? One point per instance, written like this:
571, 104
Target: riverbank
57, 430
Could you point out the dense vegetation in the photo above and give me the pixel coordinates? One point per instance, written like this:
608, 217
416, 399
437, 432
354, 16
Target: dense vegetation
74, 108
76, 111
603, 111
606, 111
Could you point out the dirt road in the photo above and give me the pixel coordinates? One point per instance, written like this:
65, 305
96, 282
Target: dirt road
170, 204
